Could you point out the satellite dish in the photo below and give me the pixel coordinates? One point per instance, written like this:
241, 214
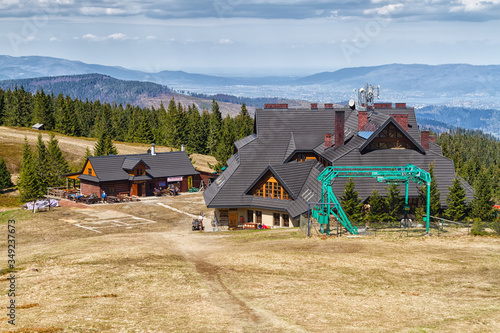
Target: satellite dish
352, 105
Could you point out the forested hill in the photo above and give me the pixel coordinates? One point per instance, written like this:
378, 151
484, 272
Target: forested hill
93, 87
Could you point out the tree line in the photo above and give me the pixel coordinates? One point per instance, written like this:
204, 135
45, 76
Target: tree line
203, 132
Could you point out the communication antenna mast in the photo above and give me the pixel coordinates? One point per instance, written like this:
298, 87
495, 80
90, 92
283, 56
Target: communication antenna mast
365, 97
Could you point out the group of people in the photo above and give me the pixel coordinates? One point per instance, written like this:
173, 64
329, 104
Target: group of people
175, 190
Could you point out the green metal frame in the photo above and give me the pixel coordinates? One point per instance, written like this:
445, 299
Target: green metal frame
389, 174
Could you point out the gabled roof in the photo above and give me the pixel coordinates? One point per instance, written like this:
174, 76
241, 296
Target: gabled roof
280, 180
129, 163
111, 167
391, 120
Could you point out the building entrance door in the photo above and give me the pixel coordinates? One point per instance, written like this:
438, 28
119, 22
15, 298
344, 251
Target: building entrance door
134, 189
233, 220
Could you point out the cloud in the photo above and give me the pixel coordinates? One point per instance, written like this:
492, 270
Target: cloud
417, 10
118, 36
96, 11
93, 38
225, 41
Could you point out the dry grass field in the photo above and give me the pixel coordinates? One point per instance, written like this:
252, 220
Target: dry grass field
138, 267
73, 148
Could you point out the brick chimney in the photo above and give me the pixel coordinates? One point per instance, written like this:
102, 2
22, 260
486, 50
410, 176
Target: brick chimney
328, 140
314, 106
424, 139
339, 128
362, 119
402, 120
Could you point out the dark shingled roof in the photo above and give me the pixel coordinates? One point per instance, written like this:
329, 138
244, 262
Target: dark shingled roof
115, 167
282, 132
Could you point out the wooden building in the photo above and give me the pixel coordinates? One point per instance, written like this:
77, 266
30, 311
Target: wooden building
273, 174
137, 174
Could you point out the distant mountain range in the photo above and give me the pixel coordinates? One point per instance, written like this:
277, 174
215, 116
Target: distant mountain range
455, 94
412, 81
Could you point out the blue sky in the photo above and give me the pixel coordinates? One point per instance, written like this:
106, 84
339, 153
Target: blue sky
253, 37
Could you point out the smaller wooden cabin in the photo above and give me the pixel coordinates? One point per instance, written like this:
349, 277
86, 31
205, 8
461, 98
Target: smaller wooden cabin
137, 174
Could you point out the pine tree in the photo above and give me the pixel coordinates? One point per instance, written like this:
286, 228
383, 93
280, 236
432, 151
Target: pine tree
244, 123
215, 125
5, 176
104, 146
351, 203
29, 184
394, 202
456, 201
482, 206
172, 124
144, 133
225, 147
2, 106
194, 142
57, 165
378, 208
41, 163
42, 110
204, 131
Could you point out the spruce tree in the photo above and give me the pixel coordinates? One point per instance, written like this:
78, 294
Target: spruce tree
394, 202
2, 106
225, 147
482, 206
195, 141
5, 176
244, 123
214, 131
57, 165
41, 162
378, 208
29, 184
144, 132
456, 201
204, 131
104, 146
351, 203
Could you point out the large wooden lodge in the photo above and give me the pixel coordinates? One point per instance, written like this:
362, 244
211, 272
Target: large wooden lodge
273, 174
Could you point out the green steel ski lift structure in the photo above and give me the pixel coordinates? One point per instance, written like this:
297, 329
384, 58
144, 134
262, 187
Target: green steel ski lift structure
329, 204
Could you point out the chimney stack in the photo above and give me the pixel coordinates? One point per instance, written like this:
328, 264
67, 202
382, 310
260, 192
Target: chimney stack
362, 119
339, 128
328, 140
153, 153
424, 139
402, 120
183, 147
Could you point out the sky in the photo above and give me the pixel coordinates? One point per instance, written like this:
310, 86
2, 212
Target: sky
253, 37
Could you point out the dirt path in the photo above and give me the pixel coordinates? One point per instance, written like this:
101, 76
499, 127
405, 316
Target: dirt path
199, 249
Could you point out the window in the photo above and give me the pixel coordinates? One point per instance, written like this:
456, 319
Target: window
250, 215
286, 220
271, 189
258, 216
89, 171
276, 219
